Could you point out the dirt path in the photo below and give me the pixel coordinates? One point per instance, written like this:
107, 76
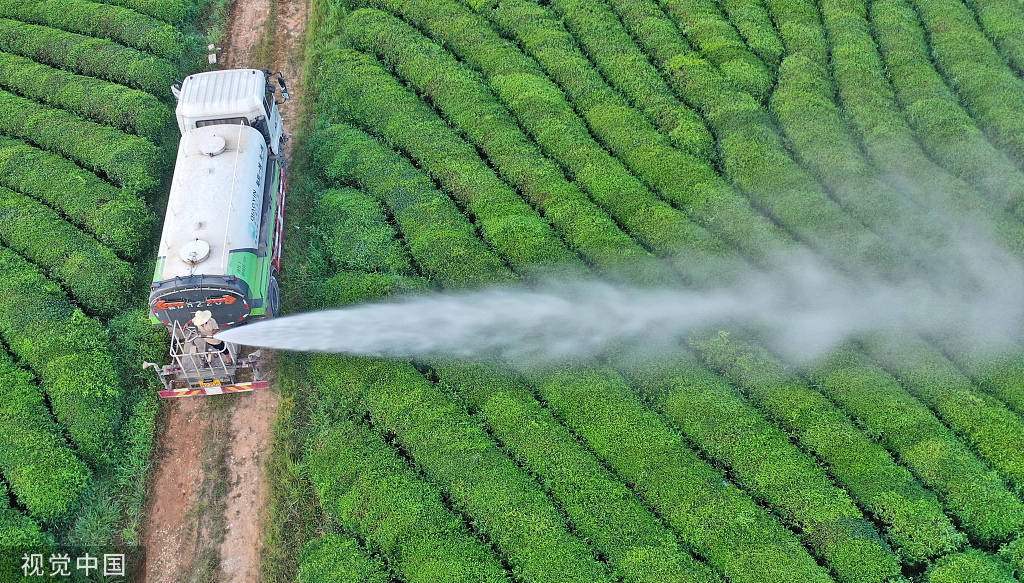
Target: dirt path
175, 488
251, 425
208, 496
246, 33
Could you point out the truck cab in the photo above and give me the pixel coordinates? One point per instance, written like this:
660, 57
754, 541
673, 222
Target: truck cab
237, 96
220, 248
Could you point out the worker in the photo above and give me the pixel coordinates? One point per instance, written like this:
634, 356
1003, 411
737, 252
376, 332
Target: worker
207, 327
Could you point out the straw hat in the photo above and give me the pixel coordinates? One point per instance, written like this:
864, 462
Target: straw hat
202, 317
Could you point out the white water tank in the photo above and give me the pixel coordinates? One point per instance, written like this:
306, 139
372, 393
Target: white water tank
216, 199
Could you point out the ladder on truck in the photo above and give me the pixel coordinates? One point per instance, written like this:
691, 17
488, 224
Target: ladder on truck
193, 371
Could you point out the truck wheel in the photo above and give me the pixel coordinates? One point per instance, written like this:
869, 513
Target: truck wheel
273, 298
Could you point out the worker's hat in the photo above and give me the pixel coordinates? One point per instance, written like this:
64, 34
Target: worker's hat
202, 317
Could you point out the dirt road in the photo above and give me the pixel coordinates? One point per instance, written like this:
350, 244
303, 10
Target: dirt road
208, 494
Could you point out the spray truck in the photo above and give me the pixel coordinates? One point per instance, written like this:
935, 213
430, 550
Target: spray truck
220, 250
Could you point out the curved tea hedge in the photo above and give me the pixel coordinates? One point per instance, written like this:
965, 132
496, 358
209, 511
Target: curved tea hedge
626, 68
478, 478
170, 11
476, 111
995, 432
370, 490
129, 110
753, 153
971, 566
129, 161
614, 519
99, 20
45, 474
348, 287
944, 127
66, 350
1002, 22
799, 26
997, 371
978, 497
754, 24
442, 240
334, 558
96, 277
118, 219
688, 183
862, 465
17, 530
869, 100
803, 105
713, 516
355, 234
88, 56
717, 41
355, 88
716, 417
541, 107
971, 65
457, 144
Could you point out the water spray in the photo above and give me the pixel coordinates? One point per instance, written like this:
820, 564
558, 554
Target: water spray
802, 310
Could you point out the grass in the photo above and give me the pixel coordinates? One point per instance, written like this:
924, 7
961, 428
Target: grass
206, 517
293, 513
266, 48
214, 17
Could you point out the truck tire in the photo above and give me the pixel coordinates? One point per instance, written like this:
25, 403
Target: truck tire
273, 298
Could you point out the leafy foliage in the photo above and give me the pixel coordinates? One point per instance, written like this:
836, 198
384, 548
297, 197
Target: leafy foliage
754, 24
717, 41
353, 87
541, 107
83, 125
967, 60
686, 181
365, 485
467, 102
451, 449
88, 56
441, 239
16, 530
46, 476
170, 11
995, 432
118, 219
976, 495
94, 275
443, 130
66, 350
739, 539
866, 469
334, 558
943, 125
721, 422
129, 161
753, 153
99, 20
353, 233
637, 546
129, 110
869, 101
971, 566
1002, 21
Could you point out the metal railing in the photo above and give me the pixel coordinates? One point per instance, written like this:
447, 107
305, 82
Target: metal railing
192, 370
195, 363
